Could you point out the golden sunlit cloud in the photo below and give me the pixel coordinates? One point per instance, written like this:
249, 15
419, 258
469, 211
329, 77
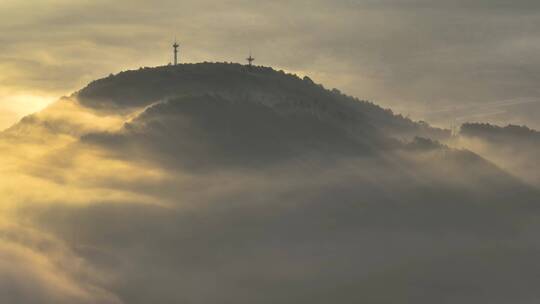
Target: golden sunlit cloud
14, 107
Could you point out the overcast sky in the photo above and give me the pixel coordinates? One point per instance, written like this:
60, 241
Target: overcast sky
443, 61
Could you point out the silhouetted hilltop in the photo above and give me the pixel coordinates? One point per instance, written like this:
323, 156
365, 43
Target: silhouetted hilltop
212, 116
284, 93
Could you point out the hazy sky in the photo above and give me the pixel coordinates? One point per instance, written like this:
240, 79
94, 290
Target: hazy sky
443, 61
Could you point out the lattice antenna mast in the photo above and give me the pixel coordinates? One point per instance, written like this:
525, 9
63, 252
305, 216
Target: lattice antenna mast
175, 47
250, 60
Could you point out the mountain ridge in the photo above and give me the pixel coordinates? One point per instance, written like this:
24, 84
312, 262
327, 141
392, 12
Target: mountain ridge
281, 91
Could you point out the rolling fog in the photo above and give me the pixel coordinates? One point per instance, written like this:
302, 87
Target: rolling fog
159, 203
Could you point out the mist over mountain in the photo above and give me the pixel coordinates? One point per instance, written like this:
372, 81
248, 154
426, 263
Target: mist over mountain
207, 183
515, 148
509, 135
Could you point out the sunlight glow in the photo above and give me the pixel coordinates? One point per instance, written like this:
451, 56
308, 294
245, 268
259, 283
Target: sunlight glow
14, 107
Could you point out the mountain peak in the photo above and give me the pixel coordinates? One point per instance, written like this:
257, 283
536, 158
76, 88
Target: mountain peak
282, 92
147, 85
